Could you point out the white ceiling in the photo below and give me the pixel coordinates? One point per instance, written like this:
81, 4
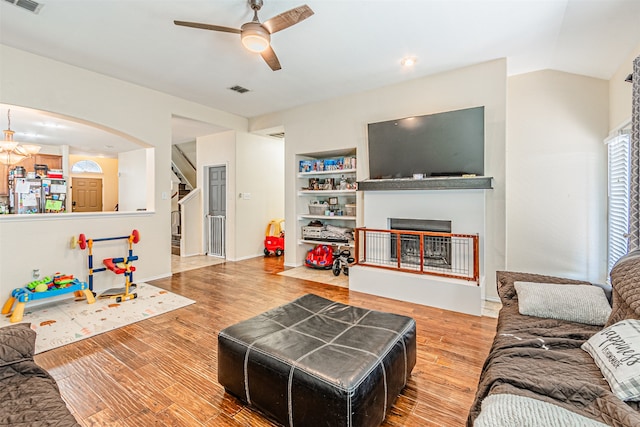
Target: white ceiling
347, 46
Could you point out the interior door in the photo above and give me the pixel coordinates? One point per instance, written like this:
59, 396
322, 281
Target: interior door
86, 194
216, 221
217, 191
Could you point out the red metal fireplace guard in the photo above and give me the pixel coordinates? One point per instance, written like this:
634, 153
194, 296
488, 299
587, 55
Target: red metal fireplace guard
422, 252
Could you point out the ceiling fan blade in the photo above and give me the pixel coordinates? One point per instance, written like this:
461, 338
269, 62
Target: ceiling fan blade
207, 27
270, 58
288, 18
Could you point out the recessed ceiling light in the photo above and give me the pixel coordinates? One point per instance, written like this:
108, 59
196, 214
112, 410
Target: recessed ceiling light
408, 61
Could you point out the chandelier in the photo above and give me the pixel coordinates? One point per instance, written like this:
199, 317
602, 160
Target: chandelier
11, 152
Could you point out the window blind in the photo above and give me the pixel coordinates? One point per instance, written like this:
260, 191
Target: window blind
618, 198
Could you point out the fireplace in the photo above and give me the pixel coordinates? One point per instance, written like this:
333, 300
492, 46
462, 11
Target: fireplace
448, 288
437, 249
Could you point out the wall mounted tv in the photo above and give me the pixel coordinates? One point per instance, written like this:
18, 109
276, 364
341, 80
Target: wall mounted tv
442, 144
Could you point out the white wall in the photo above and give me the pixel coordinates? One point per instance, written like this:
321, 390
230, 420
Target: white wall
464, 208
255, 167
219, 150
145, 115
341, 123
133, 180
191, 225
620, 92
261, 174
557, 174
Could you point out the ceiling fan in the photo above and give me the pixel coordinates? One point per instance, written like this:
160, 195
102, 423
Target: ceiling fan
256, 36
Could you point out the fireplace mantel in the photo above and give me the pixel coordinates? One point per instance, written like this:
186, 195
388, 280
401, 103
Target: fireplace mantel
439, 183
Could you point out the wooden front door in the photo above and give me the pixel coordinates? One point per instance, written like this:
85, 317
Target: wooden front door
86, 194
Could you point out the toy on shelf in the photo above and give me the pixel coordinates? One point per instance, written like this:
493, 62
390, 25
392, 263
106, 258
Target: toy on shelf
274, 240
122, 265
45, 288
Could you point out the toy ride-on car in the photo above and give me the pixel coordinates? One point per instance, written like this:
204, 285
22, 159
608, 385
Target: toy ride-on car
320, 257
274, 240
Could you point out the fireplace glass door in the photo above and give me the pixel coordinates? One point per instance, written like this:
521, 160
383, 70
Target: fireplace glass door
436, 249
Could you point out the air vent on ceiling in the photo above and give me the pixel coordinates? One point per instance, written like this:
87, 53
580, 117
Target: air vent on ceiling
239, 89
29, 5
277, 135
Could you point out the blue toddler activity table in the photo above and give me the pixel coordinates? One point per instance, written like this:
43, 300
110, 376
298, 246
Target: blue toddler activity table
24, 295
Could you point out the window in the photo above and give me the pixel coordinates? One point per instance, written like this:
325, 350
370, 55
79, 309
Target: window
86, 166
618, 197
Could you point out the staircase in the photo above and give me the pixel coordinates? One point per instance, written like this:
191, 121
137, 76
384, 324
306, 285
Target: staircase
184, 170
175, 221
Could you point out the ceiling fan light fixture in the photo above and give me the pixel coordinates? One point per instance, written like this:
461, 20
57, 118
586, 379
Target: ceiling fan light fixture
255, 37
408, 61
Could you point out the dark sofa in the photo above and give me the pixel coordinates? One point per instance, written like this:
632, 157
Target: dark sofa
537, 372
29, 396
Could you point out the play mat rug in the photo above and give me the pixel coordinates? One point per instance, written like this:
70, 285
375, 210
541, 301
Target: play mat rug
66, 321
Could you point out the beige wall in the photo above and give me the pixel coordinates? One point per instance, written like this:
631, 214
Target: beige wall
260, 174
620, 93
142, 114
133, 181
341, 123
551, 170
219, 150
109, 178
255, 166
557, 174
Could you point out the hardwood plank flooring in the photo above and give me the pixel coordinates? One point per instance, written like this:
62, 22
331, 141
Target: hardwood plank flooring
163, 371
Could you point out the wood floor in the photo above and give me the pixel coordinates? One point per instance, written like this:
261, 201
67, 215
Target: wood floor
163, 371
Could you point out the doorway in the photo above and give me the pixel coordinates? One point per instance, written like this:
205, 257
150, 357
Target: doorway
217, 210
86, 194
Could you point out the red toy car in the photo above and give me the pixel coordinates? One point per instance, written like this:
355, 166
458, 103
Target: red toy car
320, 257
274, 240
274, 245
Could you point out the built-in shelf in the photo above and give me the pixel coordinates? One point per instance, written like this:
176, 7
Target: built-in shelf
309, 216
326, 242
439, 183
334, 200
326, 192
331, 172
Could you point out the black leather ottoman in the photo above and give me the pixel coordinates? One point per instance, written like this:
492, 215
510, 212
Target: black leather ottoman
316, 362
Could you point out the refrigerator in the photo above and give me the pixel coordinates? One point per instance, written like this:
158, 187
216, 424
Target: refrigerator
44, 195
26, 196
54, 195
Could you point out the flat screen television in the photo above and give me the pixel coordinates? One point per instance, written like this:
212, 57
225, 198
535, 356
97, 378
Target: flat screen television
441, 144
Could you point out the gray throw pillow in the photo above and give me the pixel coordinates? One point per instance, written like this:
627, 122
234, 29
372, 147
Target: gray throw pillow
575, 303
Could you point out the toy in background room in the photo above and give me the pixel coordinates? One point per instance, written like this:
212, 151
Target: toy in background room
274, 240
59, 281
341, 262
122, 265
320, 257
47, 287
340, 163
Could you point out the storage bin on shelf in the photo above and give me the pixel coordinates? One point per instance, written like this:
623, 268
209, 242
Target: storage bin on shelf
350, 209
318, 208
312, 233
